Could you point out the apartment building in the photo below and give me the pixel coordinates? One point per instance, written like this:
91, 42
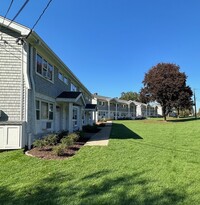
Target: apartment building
39, 94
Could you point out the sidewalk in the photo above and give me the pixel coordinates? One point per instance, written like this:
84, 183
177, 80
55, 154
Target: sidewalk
101, 138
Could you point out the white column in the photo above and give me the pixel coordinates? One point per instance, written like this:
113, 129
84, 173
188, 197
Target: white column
64, 116
70, 122
80, 118
109, 109
116, 112
129, 110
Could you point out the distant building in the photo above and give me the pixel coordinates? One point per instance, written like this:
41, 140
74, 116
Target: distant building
115, 108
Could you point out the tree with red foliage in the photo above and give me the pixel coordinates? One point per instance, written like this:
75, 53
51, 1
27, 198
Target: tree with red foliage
165, 84
184, 102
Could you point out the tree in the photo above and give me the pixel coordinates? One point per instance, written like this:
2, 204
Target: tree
129, 96
184, 101
165, 84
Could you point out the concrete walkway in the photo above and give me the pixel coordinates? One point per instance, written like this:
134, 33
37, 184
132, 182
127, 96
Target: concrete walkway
101, 138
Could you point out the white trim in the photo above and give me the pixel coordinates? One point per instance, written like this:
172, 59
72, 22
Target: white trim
15, 26
44, 59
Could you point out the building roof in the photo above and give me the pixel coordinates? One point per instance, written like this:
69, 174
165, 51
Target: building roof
100, 97
36, 41
91, 107
71, 95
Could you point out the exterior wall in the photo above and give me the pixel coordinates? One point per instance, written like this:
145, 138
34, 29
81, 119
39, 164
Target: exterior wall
114, 108
11, 82
21, 86
46, 91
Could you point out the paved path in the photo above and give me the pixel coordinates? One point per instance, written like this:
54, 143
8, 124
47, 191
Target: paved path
101, 138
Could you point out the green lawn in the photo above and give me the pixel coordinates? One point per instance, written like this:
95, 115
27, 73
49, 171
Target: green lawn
147, 162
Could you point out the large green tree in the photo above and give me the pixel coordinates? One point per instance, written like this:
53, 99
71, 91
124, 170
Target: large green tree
130, 96
165, 84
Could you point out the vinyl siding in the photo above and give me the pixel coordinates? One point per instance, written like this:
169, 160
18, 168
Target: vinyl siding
10, 77
51, 88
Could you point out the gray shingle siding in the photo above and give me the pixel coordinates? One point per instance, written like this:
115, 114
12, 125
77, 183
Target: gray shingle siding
10, 77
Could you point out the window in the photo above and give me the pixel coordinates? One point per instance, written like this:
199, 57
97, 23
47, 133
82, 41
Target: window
39, 64
44, 68
75, 117
101, 103
37, 110
50, 72
44, 110
50, 111
65, 80
60, 76
73, 87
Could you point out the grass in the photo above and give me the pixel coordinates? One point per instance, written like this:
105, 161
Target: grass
147, 162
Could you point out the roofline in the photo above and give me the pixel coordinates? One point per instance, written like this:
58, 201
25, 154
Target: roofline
52, 53
33, 37
19, 28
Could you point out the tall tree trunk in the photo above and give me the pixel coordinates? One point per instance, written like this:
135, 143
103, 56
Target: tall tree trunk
164, 113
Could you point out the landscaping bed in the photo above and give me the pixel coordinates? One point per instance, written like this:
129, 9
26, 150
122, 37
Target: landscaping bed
62, 145
47, 152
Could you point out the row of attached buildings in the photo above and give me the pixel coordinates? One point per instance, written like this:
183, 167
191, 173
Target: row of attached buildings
39, 94
115, 108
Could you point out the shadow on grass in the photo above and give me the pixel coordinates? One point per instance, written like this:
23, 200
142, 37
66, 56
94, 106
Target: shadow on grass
183, 120
120, 131
100, 187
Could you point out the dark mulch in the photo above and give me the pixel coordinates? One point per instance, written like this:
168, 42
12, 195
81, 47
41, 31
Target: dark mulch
47, 153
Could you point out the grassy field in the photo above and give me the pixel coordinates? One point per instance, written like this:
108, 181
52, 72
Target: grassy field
147, 162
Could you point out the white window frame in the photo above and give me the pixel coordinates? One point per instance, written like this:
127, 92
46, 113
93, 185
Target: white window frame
37, 102
75, 117
73, 87
63, 78
50, 110
47, 71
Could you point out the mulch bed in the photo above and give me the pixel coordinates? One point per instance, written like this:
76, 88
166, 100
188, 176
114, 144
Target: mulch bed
47, 153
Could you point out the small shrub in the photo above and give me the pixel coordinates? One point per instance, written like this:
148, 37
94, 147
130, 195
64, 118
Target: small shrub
80, 134
59, 150
74, 136
61, 134
40, 143
67, 141
51, 139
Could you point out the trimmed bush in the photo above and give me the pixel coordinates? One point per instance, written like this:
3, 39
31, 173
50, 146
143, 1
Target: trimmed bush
74, 136
50, 140
61, 134
40, 143
67, 141
59, 150
70, 139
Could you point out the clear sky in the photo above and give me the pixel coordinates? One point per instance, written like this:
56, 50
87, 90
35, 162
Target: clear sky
110, 44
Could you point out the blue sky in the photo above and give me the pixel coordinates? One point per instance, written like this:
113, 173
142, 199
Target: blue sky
110, 44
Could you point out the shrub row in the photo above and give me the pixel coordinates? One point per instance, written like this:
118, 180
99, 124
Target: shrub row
65, 143
60, 141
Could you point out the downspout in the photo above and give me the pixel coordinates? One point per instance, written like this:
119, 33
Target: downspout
25, 86
31, 69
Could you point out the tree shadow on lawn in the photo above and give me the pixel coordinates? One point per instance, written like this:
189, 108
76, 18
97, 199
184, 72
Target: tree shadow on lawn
183, 120
96, 188
120, 131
